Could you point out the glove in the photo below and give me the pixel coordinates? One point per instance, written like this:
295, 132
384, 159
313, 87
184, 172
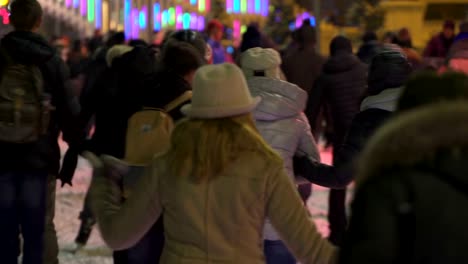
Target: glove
107, 166
68, 167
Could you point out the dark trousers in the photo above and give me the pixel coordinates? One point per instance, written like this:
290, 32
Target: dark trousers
50, 234
277, 253
22, 207
337, 216
337, 208
147, 251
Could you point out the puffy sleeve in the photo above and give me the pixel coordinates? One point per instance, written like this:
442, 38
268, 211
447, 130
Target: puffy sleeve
307, 145
285, 209
123, 225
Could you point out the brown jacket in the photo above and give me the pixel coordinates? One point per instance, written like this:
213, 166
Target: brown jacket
214, 221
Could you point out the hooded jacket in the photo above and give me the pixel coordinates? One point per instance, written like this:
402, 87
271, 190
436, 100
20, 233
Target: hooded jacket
340, 88
438, 46
116, 95
282, 123
31, 48
412, 188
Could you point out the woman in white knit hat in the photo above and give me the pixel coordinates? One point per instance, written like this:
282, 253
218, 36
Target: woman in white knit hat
282, 123
216, 185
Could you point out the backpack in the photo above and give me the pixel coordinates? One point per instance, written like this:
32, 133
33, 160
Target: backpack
149, 132
24, 108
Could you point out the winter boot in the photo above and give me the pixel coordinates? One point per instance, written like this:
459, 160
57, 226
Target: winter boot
85, 231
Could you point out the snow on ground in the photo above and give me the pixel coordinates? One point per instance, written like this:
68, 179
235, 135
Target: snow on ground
70, 201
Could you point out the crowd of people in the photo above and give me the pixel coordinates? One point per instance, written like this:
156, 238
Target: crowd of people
196, 160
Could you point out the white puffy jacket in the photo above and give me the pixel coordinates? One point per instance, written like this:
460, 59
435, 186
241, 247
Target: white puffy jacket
283, 124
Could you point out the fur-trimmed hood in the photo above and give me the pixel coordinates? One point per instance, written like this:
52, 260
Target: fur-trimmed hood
419, 137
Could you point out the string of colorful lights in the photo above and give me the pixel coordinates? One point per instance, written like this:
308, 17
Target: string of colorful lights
187, 14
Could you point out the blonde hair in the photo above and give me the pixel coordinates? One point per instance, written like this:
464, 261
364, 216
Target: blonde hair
203, 148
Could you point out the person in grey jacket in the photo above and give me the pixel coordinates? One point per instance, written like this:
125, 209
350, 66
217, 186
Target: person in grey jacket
282, 123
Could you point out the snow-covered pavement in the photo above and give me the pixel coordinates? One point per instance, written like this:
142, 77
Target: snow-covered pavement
70, 201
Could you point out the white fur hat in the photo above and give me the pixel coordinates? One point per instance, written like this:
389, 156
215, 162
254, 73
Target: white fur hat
115, 52
259, 59
220, 91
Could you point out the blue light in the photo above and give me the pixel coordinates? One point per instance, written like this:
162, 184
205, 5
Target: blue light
98, 15
186, 21
128, 18
142, 18
157, 16
76, 3
193, 2
165, 18
230, 50
258, 6
236, 6
312, 21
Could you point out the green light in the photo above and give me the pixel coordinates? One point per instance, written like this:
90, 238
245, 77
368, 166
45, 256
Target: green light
243, 6
90, 10
243, 29
201, 5
172, 16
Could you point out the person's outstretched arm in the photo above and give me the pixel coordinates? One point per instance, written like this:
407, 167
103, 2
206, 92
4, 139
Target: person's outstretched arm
323, 174
123, 225
286, 211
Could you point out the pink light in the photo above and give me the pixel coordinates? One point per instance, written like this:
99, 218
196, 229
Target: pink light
83, 7
208, 5
194, 21
229, 6
236, 29
298, 22
68, 3
135, 25
201, 23
179, 13
5, 16
250, 6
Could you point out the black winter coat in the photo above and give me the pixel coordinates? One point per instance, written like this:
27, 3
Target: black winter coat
31, 48
302, 67
412, 191
368, 50
131, 84
340, 88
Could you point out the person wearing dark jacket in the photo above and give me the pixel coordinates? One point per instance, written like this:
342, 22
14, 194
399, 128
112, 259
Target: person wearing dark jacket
369, 48
411, 170
133, 81
26, 168
97, 64
388, 72
457, 58
439, 45
340, 88
303, 65
463, 33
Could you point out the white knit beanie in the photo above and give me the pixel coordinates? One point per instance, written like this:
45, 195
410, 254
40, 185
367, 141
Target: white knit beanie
259, 61
115, 52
